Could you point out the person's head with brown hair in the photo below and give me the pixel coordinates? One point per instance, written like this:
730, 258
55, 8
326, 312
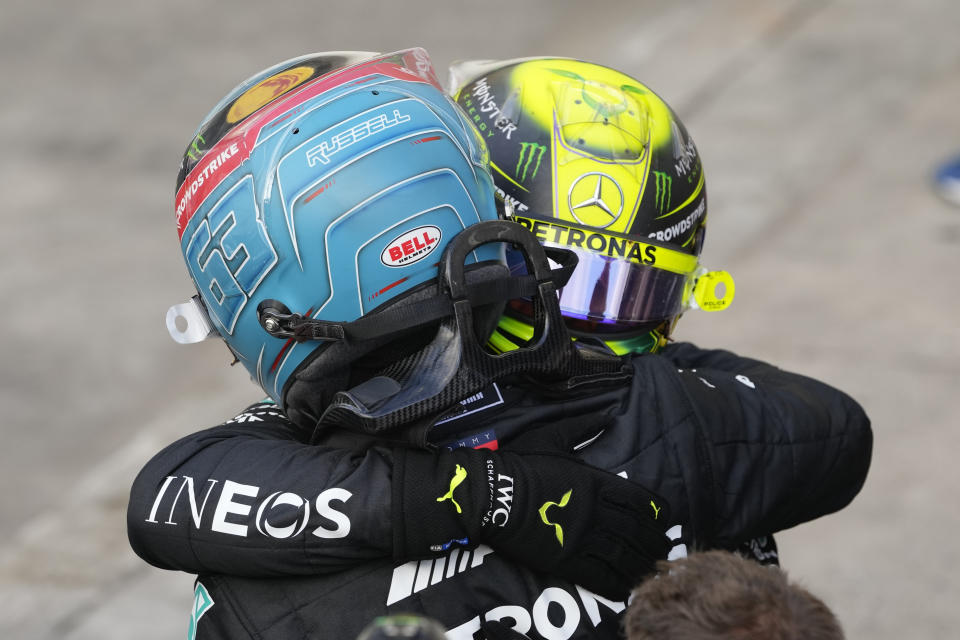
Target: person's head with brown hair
717, 595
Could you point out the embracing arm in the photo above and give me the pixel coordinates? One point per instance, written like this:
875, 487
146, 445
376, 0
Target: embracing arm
250, 498
780, 448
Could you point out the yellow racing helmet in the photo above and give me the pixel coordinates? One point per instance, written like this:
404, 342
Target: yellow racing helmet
590, 159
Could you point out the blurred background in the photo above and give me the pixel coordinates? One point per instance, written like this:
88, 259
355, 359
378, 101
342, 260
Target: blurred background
819, 123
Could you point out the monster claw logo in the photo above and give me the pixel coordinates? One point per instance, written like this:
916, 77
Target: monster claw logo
664, 189
560, 505
459, 475
527, 152
656, 511
195, 152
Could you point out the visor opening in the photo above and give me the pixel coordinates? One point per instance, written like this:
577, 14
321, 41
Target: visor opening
720, 290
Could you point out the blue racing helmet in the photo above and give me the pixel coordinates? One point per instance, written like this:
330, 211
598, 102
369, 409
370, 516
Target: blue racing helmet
320, 192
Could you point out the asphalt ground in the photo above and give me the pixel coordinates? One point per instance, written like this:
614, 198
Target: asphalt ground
819, 123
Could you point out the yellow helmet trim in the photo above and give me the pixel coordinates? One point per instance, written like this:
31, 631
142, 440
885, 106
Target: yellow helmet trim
714, 291
520, 329
611, 112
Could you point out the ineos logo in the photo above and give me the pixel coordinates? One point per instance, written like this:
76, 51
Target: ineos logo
278, 499
281, 515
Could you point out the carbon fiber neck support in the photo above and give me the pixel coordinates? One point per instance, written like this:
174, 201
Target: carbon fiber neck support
455, 364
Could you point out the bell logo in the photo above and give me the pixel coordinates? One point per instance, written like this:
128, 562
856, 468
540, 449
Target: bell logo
411, 246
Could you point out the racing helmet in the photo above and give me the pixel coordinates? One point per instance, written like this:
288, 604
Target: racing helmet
322, 189
314, 205
590, 159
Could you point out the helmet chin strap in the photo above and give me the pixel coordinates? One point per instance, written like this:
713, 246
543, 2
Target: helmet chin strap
277, 320
455, 363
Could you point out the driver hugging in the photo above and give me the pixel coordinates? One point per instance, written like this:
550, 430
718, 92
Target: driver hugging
461, 310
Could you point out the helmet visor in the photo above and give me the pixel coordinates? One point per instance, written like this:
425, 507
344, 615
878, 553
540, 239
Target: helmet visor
620, 280
616, 292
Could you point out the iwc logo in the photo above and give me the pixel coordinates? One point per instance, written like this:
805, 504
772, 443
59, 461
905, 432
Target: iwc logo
595, 199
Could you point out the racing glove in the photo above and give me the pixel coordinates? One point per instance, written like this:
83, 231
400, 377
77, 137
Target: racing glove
549, 512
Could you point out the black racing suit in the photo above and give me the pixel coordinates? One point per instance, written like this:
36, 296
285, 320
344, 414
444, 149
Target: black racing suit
293, 540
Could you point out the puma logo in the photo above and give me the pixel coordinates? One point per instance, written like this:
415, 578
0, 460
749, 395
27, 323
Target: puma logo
459, 475
560, 505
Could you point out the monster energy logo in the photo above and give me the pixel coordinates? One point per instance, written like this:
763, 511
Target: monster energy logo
194, 148
527, 151
664, 184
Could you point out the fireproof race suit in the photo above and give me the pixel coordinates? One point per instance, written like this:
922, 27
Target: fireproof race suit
292, 540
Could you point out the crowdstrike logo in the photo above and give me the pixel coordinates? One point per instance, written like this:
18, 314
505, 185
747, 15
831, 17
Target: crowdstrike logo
204, 178
518, 206
211, 169
679, 228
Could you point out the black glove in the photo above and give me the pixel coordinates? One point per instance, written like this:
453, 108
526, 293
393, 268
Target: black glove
550, 512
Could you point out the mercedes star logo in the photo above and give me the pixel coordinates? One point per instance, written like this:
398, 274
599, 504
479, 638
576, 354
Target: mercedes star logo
602, 207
